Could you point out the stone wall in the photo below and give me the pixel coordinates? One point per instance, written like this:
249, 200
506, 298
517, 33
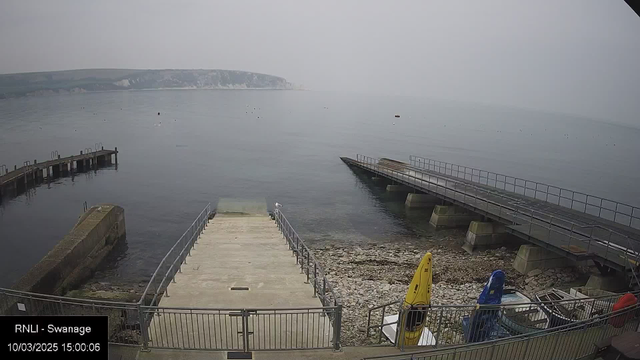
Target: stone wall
78, 254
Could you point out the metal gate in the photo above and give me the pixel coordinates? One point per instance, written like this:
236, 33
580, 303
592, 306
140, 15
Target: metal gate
241, 329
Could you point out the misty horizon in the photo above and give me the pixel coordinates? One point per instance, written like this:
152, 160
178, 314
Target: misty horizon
574, 58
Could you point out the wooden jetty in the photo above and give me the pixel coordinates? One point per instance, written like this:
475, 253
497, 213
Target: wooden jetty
31, 174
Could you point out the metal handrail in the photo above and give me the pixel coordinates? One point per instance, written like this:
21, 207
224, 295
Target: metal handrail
372, 163
192, 232
65, 299
578, 326
539, 187
573, 227
300, 249
633, 248
540, 212
237, 309
555, 302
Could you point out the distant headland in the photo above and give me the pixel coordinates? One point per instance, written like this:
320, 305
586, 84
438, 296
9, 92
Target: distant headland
87, 80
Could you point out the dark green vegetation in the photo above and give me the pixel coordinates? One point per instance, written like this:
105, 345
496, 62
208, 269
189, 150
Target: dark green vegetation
23, 84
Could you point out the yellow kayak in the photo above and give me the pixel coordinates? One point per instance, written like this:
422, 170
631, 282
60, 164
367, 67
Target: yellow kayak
418, 298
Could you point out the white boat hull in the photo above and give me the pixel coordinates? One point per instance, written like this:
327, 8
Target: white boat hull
389, 331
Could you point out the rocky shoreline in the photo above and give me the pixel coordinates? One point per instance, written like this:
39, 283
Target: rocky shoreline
107, 291
370, 275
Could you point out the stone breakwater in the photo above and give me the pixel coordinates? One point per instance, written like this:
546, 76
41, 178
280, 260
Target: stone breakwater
371, 275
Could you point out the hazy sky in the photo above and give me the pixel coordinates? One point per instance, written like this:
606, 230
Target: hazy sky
575, 56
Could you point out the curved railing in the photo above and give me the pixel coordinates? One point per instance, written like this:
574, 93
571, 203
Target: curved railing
123, 318
173, 260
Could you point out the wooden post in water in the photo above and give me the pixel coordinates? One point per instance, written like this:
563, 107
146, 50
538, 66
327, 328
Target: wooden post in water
48, 177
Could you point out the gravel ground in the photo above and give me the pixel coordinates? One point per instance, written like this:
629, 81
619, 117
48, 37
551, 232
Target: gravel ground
371, 275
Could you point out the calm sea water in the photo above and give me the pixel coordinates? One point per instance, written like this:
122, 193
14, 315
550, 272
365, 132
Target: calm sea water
280, 146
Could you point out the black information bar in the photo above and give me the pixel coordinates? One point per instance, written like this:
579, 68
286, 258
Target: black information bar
48, 337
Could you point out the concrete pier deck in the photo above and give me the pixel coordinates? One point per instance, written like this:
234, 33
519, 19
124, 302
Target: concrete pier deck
565, 231
243, 290
238, 251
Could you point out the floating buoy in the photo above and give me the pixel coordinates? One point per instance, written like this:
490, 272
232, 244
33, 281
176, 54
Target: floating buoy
158, 112
397, 115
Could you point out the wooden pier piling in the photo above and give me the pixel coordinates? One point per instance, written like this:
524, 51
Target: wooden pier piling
56, 167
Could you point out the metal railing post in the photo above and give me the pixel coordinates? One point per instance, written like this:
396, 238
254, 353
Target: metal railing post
143, 328
493, 350
302, 261
324, 289
315, 279
437, 337
245, 330
400, 329
570, 236
337, 328
308, 259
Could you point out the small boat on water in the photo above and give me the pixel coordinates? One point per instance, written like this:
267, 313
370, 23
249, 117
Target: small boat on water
521, 316
560, 307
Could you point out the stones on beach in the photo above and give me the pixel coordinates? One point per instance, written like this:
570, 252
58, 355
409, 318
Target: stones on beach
375, 274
